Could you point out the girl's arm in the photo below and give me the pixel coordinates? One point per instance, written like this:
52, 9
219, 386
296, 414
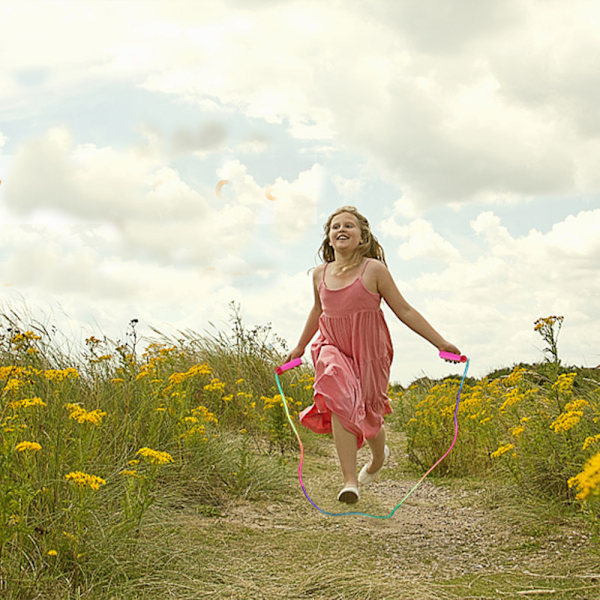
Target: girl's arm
406, 313
312, 323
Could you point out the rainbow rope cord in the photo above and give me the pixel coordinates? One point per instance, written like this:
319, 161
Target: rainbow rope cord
295, 363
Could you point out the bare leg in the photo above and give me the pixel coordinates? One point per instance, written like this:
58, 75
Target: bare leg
377, 445
345, 443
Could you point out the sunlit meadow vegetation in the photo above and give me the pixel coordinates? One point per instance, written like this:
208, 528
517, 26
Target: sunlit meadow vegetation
537, 424
89, 443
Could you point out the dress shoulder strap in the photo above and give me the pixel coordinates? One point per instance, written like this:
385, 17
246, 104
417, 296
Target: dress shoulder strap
364, 267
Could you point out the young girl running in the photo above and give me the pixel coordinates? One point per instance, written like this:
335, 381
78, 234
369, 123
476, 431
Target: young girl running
353, 352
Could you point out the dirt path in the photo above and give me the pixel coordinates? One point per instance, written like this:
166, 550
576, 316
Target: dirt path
448, 540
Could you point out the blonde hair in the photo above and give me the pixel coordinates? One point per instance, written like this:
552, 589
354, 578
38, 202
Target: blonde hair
369, 246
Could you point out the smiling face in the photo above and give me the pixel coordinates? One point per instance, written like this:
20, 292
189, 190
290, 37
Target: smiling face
344, 233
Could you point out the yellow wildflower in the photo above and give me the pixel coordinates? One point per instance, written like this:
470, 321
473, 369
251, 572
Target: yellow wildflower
23, 446
576, 405
516, 431
512, 397
52, 552
83, 479
61, 375
501, 450
564, 383
81, 415
155, 456
215, 386
589, 441
515, 376
26, 402
196, 429
202, 411
129, 472
566, 421
588, 480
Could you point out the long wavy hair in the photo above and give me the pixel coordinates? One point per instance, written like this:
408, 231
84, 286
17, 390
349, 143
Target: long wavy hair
368, 247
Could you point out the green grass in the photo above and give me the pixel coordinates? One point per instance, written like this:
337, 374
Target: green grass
227, 518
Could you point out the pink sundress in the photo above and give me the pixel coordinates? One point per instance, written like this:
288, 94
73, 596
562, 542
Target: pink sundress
352, 357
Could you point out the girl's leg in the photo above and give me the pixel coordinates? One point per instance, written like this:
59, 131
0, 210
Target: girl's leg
345, 443
377, 445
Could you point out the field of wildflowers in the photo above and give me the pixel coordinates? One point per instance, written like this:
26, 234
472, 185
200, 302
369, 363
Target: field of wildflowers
88, 446
85, 450
538, 424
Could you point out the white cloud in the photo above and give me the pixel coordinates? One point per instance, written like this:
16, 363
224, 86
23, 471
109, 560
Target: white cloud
78, 259
347, 187
439, 29
156, 214
422, 241
482, 101
485, 101
295, 206
497, 296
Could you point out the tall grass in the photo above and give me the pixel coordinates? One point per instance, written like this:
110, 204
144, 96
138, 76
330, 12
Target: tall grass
536, 423
88, 446
89, 443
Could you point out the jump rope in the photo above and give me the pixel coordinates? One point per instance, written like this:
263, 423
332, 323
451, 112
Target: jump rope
297, 361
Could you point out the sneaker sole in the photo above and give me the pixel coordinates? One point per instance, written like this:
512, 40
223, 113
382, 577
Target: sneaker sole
349, 497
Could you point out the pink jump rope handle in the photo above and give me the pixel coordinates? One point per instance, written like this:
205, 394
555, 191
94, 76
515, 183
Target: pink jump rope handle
288, 365
450, 356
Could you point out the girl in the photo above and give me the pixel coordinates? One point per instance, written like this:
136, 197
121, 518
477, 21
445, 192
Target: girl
353, 352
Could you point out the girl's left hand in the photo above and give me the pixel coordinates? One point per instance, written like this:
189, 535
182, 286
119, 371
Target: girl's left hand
448, 347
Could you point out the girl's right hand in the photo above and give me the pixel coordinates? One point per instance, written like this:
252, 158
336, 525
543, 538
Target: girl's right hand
297, 352
448, 347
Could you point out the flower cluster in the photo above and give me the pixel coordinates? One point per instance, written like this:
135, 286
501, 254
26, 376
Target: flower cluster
215, 386
273, 401
28, 335
26, 402
564, 383
569, 417
155, 456
590, 440
502, 450
549, 328
588, 481
29, 446
193, 371
547, 322
129, 472
517, 431
197, 370
85, 480
61, 375
81, 415
511, 398
204, 414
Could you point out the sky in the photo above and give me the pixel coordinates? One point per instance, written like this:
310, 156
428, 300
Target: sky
467, 133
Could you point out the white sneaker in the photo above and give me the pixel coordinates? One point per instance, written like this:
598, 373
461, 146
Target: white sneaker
349, 495
365, 477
